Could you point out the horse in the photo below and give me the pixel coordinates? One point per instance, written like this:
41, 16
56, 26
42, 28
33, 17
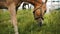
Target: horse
12, 6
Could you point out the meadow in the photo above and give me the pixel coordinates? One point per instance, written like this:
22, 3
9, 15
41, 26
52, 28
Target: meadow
27, 24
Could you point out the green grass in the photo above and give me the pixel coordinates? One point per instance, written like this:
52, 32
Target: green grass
27, 24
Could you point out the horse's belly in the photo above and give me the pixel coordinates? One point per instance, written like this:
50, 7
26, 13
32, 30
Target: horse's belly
3, 7
2, 0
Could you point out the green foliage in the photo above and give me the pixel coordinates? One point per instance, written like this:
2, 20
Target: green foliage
27, 24
5, 24
52, 21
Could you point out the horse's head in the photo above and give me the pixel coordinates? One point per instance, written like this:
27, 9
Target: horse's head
39, 10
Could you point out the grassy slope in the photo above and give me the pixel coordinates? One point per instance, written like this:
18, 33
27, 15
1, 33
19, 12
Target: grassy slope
27, 24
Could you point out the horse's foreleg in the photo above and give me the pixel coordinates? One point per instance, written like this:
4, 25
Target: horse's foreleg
12, 10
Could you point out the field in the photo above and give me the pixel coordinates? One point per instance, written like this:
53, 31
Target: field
27, 24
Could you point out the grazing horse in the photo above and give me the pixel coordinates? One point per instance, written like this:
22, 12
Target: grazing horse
39, 9
12, 6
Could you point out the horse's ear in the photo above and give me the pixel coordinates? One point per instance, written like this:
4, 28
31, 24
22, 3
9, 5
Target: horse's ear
44, 1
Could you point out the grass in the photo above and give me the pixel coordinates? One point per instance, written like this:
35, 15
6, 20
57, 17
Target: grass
27, 24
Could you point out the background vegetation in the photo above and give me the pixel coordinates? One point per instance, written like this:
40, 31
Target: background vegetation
27, 24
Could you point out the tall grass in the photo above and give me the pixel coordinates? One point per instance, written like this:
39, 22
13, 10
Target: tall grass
27, 24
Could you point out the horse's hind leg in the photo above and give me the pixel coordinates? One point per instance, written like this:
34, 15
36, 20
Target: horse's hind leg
12, 10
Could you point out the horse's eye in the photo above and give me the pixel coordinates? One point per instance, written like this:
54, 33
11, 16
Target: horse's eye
43, 1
